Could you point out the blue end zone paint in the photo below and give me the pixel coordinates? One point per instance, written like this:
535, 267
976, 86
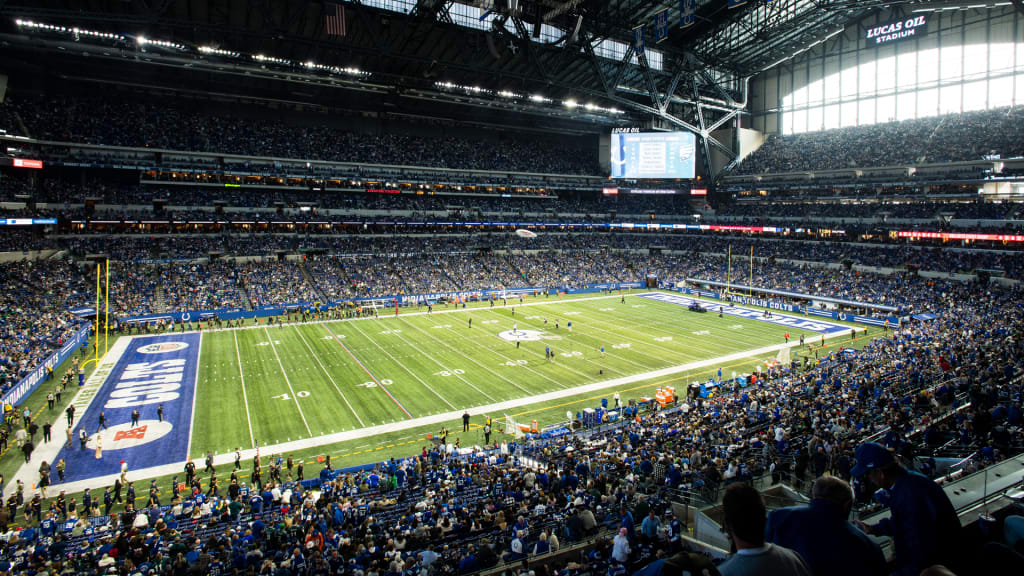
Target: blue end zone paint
154, 371
792, 322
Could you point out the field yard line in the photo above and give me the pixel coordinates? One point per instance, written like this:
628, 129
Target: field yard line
741, 341
611, 355
471, 359
500, 407
402, 366
365, 369
424, 313
542, 375
195, 396
585, 359
295, 398
667, 332
319, 363
633, 322
443, 367
245, 397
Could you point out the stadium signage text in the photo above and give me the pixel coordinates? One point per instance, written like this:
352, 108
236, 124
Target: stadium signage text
895, 30
962, 236
25, 163
148, 383
37, 376
633, 130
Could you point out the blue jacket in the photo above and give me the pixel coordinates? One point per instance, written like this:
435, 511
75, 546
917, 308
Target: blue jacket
827, 541
924, 526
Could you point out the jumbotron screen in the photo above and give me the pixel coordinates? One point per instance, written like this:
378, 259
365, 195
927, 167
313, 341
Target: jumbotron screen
653, 155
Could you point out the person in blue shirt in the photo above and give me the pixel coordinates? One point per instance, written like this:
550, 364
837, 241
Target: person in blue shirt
650, 526
626, 521
923, 524
48, 526
822, 535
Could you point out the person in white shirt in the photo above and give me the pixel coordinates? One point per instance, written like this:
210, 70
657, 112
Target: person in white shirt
620, 546
141, 520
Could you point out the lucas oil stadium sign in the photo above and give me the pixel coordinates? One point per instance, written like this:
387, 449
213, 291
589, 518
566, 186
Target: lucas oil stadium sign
894, 31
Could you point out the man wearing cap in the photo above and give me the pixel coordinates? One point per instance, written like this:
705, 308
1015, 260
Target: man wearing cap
923, 524
822, 535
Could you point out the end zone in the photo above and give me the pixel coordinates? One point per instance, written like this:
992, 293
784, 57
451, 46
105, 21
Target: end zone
781, 319
156, 375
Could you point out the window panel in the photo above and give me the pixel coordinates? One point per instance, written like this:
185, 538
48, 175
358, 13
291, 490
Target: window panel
885, 109
816, 93
1000, 92
928, 103
832, 88
949, 99
866, 111
927, 67
800, 97
799, 121
848, 82
866, 74
1000, 60
975, 61
906, 70
951, 62
886, 75
832, 117
848, 114
906, 105
814, 119
975, 95
946, 80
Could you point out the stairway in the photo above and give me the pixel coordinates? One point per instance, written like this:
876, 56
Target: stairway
320, 294
246, 301
160, 299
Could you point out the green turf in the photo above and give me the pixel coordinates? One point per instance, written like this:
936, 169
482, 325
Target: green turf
308, 380
491, 364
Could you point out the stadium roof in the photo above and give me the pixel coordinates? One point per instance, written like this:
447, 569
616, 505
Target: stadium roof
579, 64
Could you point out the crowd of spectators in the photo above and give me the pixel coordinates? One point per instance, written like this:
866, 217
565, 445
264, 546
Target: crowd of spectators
801, 212
449, 511
35, 297
951, 138
275, 282
173, 125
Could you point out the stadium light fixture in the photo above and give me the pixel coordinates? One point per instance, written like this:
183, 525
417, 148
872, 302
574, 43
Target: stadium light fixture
217, 51
570, 103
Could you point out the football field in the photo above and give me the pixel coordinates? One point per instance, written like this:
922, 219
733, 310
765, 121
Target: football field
267, 385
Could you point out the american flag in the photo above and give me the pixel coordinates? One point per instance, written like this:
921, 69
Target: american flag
334, 19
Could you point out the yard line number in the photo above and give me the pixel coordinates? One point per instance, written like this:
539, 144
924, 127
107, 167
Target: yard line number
286, 396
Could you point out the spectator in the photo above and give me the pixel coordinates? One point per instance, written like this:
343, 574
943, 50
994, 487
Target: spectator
745, 520
822, 535
923, 524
